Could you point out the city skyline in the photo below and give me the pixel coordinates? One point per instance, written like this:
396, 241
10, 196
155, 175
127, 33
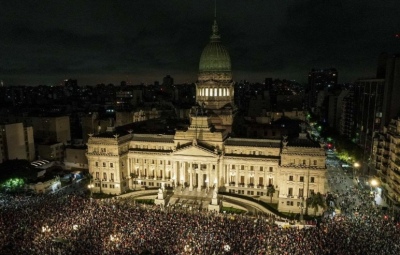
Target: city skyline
142, 41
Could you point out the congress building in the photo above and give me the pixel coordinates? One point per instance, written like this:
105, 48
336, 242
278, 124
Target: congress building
203, 155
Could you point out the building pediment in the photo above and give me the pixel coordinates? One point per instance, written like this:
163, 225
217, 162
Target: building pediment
194, 150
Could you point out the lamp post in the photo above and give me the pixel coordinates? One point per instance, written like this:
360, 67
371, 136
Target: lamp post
134, 176
90, 187
183, 186
301, 211
356, 165
173, 182
373, 183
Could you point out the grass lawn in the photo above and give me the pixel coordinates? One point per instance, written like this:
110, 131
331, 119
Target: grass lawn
274, 205
232, 210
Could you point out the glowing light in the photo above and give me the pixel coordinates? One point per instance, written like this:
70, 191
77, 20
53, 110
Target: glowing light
45, 229
187, 248
114, 238
227, 247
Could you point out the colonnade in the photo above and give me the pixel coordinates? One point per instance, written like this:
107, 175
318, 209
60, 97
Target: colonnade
214, 91
178, 172
201, 174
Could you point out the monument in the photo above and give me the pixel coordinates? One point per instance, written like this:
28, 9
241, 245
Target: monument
161, 196
214, 205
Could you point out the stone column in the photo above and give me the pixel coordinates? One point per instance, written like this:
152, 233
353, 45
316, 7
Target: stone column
164, 170
178, 172
237, 178
200, 181
140, 170
227, 173
182, 173
191, 177
147, 167
156, 170
174, 171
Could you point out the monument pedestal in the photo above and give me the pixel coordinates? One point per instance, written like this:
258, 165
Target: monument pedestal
215, 205
160, 200
216, 208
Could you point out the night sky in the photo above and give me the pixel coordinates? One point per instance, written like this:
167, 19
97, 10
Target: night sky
107, 41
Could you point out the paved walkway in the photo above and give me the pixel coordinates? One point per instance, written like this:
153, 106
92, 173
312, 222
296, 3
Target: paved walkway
191, 199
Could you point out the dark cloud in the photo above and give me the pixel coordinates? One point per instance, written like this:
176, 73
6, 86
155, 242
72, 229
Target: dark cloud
141, 41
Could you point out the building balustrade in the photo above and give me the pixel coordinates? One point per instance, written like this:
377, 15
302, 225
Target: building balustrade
395, 161
396, 171
232, 184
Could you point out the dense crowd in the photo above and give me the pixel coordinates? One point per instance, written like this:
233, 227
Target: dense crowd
75, 224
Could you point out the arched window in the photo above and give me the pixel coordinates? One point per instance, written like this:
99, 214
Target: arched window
207, 92
215, 91
220, 92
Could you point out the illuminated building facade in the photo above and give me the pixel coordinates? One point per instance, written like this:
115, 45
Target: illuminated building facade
203, 155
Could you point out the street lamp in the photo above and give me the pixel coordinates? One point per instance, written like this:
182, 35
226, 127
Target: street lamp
90, 187
356, 165
373, 183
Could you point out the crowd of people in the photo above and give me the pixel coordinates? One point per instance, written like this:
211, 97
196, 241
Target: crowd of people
73, 223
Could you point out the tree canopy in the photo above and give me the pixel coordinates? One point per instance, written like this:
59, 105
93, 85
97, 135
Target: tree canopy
20, 169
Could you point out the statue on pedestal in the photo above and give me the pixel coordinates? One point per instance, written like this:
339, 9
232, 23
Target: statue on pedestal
160, 194
215, 194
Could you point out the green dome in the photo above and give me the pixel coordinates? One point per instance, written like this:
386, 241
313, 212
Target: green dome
215, 58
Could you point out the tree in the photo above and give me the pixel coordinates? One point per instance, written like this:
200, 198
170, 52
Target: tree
270, 191
14, 174
315, 201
